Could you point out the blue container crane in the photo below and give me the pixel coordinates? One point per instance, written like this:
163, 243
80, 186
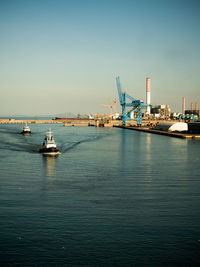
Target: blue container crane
136, 105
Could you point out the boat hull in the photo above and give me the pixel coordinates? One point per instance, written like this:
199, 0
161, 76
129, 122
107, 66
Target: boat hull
25, 133
49, 151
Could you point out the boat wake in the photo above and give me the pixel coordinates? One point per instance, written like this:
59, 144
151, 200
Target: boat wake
14, 141
19, 147
69, 146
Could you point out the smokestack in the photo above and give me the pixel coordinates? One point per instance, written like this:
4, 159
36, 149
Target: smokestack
183, 107
196, 107
192, 106
148, 94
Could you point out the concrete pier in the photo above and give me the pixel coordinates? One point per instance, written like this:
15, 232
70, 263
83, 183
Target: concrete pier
171, 134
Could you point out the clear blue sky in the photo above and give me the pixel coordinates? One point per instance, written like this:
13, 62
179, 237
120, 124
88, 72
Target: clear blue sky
60, 56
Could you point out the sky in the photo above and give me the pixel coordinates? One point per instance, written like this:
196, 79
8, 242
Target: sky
60, 56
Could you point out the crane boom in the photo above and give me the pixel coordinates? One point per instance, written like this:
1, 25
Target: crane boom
119, 90
134, 104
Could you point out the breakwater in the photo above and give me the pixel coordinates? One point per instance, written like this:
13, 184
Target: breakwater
75, 121
13, 121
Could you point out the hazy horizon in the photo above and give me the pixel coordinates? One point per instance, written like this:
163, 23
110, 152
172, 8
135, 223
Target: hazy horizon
63, 56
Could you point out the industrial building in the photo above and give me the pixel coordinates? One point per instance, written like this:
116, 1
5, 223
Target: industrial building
189, 114
194, 112
190, 111
161, 111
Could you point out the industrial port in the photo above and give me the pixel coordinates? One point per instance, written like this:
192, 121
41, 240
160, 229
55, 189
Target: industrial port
135, 115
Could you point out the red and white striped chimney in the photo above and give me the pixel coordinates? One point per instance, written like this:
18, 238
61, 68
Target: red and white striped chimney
192, 106
148, 94
183, 106
196, 108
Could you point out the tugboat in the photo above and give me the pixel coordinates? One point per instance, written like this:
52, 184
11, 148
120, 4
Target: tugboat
26, 130
49, 146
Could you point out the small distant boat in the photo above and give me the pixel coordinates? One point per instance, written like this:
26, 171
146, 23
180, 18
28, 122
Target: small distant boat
49, 146
26, 129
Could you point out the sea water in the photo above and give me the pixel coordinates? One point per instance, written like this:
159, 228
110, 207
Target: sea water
113, 197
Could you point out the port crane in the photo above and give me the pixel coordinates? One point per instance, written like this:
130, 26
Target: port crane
111, 108
135, 105
111, 111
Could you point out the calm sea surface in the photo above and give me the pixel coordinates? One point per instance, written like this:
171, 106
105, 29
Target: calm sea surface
114, 197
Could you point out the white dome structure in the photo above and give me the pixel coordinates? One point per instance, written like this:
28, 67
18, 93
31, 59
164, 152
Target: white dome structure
173, 127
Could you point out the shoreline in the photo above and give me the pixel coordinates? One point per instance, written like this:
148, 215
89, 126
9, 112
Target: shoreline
16, 121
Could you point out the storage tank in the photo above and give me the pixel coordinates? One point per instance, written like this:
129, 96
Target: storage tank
172, 127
